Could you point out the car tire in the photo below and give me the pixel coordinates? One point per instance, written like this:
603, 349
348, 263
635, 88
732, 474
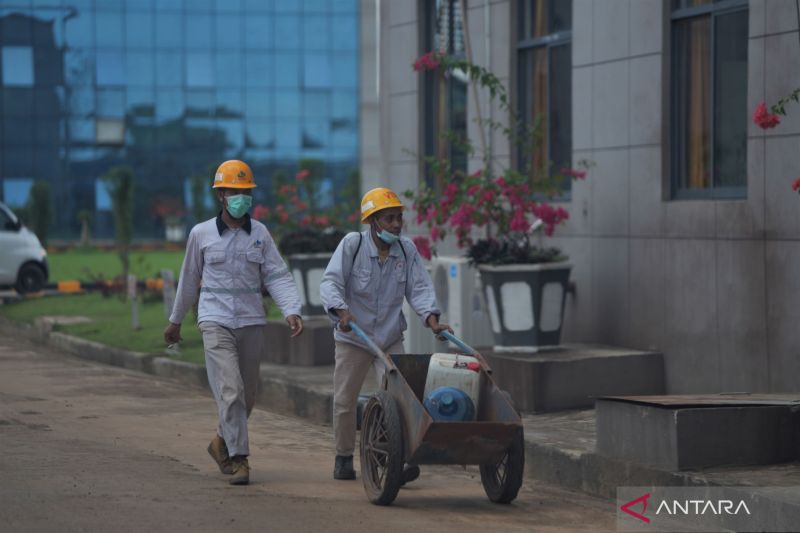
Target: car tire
30, 279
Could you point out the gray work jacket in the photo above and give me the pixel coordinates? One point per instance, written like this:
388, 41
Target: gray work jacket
374, 292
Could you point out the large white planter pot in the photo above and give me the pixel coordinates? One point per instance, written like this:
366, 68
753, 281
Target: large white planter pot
307, 270
525, 304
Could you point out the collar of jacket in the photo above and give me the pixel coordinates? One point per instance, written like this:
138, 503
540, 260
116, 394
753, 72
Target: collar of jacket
394, 250
221, 226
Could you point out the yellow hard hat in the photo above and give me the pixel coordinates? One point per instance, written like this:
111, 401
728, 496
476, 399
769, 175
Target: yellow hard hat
234, 174
377, 200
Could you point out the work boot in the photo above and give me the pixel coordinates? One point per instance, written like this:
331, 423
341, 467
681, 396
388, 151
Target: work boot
241, 470
343, 469
410, 473
219, 452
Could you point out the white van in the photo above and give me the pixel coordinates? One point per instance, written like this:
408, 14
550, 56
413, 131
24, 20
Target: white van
23, 260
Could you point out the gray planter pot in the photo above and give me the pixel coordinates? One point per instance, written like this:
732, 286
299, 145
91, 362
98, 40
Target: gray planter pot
525, 304
307, 270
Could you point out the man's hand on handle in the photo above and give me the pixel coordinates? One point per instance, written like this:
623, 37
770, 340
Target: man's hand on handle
344, 319
436, 327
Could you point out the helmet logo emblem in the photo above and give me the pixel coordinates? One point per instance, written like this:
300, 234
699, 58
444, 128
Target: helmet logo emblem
241, 174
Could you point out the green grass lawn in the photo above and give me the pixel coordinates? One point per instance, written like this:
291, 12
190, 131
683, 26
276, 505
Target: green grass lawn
111, 322
85, 265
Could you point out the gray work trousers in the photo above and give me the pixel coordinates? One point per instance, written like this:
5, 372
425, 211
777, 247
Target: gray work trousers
233, 357
352, 365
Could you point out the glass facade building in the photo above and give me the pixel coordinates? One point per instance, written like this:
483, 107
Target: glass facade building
171, 88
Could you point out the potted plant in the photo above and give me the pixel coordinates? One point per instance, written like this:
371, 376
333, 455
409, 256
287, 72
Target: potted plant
501, 219
307, 233
170, 211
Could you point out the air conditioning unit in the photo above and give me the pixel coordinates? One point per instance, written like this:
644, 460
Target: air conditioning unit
458, 291
418, 339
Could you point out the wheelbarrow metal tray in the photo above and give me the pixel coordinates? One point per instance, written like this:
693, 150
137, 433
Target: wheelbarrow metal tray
482, 441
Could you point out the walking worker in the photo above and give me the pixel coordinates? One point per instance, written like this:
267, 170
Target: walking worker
366, 280
230, 258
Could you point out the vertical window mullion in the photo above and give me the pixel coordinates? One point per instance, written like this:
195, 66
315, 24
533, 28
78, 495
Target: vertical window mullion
712, 140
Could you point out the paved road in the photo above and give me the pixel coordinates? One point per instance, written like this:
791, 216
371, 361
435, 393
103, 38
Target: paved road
87, 447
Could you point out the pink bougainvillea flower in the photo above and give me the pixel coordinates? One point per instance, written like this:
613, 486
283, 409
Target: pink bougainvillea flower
796, 185
473, 190
427, 61
476, 174
302, 174
519, 222
763, 118
573, 172
260, 212
435, 233
501, 181
423, 246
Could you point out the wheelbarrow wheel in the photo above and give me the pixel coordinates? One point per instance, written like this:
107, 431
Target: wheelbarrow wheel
381, 449
502, 481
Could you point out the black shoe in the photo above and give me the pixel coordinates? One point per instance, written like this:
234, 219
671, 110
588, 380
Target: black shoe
410, 473
343, 468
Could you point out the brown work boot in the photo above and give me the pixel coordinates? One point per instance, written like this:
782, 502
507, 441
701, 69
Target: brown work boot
219, 452
241, 470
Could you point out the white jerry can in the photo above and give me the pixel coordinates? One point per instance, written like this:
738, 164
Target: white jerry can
454, 370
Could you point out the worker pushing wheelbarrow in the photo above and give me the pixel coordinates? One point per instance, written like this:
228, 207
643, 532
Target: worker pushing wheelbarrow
398, 429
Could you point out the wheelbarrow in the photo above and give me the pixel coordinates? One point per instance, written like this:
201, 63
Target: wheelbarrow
397, 429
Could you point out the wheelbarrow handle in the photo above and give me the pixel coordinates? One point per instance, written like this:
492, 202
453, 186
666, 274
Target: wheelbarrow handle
390, 366
467, 348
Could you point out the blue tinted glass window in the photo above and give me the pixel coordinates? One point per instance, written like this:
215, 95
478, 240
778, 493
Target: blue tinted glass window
108, 4
102, 199
169, 69
229, 103
316, 35
139, 5
17, 102
200, 103
108, 29
259, 134
111, 103
49, 102
233, 130
259, 5
16, 191
17, 66
228, 32
80, 29
258, 32
48, 67
229, 5
140, 68
199, 31
81, 101
317, 70
315, 132
49, 31
344, 6
18, 162
202, 133
287, 103
17, 131
258, 69
287, 70
345, 137
345, 104
81, 130
346, 72
79, 67
110, 68
230, 71
169, 104
169, 30
199, 70
316, 103
200, 5
286, 6
141, 102
315, 6
287, 32
169, 5
345, 33
287, 134
139, 30
259, 103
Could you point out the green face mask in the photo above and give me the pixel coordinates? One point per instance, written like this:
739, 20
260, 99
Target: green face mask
239, 204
